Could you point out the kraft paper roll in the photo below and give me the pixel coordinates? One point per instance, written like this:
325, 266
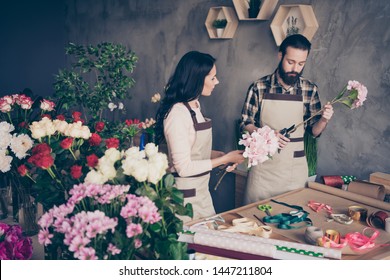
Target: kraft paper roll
367, 189
240, 242
350, 195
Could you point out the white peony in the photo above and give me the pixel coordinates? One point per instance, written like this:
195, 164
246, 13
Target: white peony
20, 144
141, 170
61, 126
135, 153
5, 161
128, 166
113, 155
95, 177
5, 140
6, 127
158, 165
151, 149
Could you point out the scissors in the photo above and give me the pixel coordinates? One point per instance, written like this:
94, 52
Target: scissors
286, 132
265, 208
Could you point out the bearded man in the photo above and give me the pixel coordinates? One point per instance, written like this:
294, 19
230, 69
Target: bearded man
280, 100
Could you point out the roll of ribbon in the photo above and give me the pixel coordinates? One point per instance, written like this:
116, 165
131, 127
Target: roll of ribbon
367, 189
357, 213
312, 234
378, 218
338, 181
333, 235
333, 181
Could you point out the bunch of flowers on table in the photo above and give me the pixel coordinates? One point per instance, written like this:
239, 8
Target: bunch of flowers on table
17, 112
145, 172
14, 245
99, 222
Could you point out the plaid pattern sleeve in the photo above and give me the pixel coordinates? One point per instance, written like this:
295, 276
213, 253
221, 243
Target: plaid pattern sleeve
312, 103
250, 113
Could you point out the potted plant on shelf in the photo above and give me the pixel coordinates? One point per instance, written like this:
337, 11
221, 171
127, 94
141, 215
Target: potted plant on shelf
220, 25
254, 8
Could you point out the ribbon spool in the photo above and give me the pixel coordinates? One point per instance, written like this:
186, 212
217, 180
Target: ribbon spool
333, 235
377, 219
357, 213
337, 181
312, 234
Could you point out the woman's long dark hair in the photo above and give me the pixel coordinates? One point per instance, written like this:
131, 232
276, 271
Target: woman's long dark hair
186, 84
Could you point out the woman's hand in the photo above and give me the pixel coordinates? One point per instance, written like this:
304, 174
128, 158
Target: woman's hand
216, 154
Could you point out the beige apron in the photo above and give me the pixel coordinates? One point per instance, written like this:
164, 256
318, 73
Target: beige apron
196, 188
288, 169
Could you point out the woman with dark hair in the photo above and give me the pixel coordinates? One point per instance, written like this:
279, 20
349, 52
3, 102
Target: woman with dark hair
187, 132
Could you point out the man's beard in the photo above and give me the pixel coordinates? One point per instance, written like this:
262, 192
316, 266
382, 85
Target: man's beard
289, 78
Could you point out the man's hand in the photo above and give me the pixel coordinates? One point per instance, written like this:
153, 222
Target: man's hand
328, 112
283, 140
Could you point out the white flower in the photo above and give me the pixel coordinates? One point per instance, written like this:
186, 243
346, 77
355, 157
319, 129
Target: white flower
5, 140
5, 161
6, 127
78, 130
128, 166
120, 106
112, 106
106, 169
113, 155
134, 153
44, 127
95, 177
20, 144
151, 149
156, 98
141, 170
158, 165
61, 126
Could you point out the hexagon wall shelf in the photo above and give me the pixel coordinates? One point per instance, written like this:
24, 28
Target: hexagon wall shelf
292, 19
267, 7
227, 13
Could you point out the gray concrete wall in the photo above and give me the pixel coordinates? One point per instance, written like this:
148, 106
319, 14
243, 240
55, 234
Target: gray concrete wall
352, 42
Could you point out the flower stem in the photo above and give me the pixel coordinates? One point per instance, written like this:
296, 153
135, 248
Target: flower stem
220, 180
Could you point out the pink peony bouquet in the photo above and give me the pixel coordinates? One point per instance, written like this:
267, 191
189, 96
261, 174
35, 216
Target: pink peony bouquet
13, 244
99, 222
260, 146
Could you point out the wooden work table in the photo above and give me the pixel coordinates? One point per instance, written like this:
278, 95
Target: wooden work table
340, 203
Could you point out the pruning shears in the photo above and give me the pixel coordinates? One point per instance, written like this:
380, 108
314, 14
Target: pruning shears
286, 132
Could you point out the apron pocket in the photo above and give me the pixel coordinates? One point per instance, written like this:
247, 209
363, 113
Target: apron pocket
298, 154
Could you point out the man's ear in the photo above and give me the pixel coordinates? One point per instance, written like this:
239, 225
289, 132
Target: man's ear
280, 56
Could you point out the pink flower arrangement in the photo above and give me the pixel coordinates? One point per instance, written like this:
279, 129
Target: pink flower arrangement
260, 146
13, 244
99, 222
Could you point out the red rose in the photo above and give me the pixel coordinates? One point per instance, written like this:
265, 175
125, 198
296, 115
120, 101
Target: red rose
95, 139
129, 122
99, 126
75, 171
66, 143
92, 160
112, 143
23, 125
42, 148
22, 170
76, 116
60, 117
41, 160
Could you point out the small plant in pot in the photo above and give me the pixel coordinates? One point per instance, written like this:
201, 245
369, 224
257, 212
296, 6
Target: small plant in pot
220, 25
254, 8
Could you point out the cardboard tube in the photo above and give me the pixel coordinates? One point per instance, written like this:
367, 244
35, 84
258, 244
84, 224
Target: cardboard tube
350, 195
367, 189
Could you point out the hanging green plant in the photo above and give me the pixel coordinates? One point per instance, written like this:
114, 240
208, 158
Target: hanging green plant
310, 144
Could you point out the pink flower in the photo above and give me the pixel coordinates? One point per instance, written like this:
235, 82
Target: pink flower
113, 249
259, 146
354, 86
44, 237
25, 102
137, 243
5, 107
133, 230
47, 105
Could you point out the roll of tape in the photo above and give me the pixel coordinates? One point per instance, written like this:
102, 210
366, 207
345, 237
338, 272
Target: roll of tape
357, 213
312, 234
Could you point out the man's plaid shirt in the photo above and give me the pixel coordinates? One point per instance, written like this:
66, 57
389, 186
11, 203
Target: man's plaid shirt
270, 84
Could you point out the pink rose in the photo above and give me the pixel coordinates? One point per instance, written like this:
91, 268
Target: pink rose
25, 102
5, 107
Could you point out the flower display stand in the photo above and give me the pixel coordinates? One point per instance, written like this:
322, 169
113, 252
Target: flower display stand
266, 9
227, 13
292, 19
